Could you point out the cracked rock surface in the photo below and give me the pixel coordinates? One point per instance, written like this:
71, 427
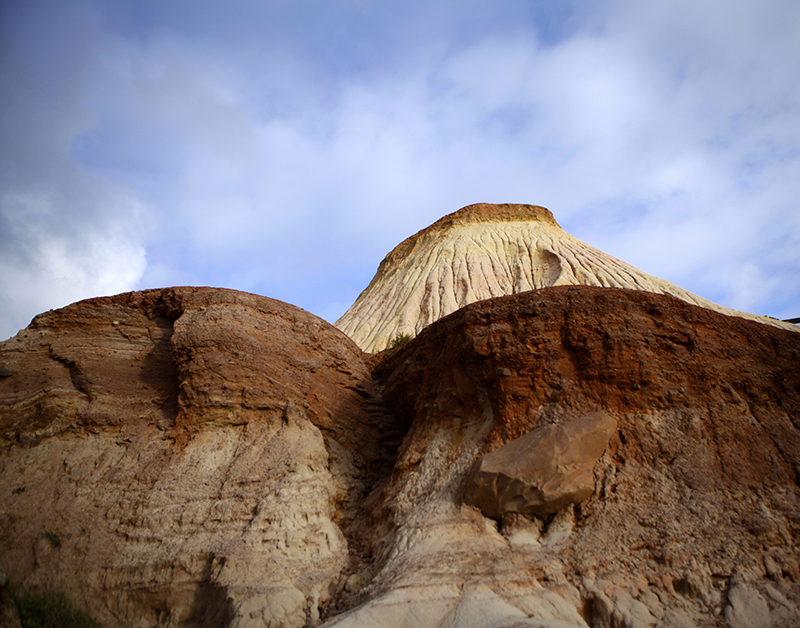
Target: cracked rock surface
695, 514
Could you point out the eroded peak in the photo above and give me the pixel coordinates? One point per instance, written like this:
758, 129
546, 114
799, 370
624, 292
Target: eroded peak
475, 213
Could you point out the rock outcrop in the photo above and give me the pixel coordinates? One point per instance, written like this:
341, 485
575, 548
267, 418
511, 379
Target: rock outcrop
484, 251
695, 515
194, 455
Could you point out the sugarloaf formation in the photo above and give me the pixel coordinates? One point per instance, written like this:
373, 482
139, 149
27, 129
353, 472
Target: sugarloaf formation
569, 456
480, 252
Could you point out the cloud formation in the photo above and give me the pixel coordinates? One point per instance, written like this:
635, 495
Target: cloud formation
283, 148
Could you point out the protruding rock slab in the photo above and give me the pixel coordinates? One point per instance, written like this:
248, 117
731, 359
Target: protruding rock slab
543, 471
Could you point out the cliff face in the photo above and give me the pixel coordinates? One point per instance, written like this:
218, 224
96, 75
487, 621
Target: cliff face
191, 455
199, 457
695, 511
480, 252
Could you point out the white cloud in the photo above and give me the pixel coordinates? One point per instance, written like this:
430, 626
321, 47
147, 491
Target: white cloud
53, 269
667, 134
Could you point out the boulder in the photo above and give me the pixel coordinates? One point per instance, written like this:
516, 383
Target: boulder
543, 471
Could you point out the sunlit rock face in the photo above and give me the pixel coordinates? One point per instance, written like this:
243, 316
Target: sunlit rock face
694, 514
484, 251
190, 454
203, 458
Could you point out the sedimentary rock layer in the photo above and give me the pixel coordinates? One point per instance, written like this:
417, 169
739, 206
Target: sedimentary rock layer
695, 515
191, 454
484, 251
196, 457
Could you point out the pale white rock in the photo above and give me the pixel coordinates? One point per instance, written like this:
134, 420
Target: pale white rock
560, 527
675, 618
784, 613
547, 606
445, 563
484, 251
407, 607
445, 607
482, 608
747, 608
276, 608
522, 531
203, 512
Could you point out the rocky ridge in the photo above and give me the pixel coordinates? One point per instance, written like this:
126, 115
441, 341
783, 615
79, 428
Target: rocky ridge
210, 458
484, 251
205, 457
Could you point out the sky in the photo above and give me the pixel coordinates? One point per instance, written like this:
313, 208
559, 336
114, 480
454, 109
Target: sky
284, 147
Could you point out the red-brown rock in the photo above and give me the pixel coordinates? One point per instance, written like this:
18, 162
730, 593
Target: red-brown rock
698, 493
199, 457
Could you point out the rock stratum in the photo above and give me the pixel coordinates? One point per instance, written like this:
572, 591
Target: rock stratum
192, 454
484, 251
569, 456
201, 457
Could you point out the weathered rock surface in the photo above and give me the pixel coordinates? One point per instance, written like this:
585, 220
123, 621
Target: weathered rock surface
198, 457
545, 470
191, 455
696, 509
484, 251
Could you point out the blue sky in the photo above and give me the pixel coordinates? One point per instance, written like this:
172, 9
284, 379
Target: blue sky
285, 147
